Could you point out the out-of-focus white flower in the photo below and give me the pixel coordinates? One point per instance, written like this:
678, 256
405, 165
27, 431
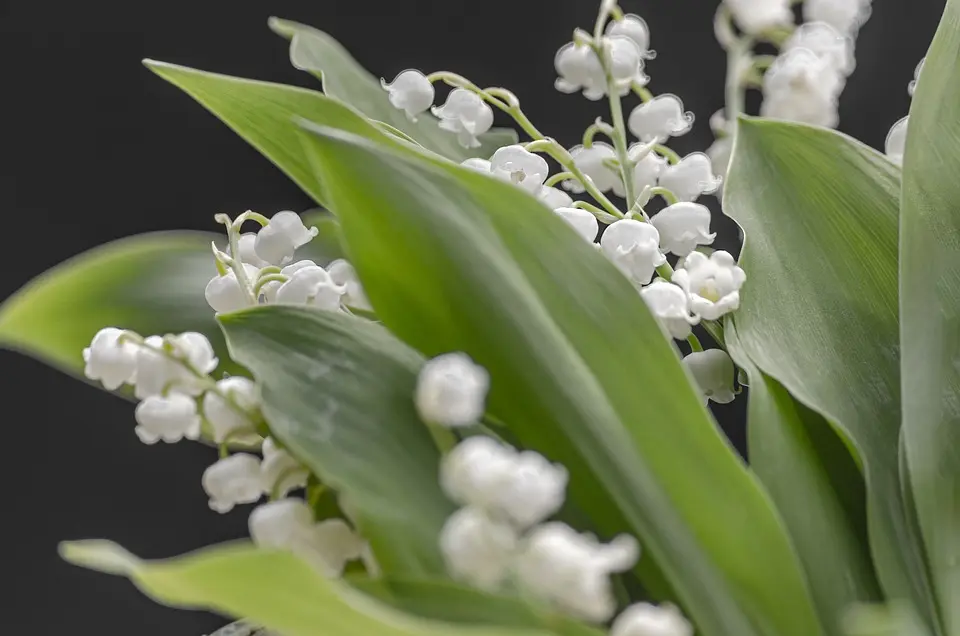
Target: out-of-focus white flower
227, 419
342, 273
713, 370
313, 286
583, 222
635, 28
645, 619
279, 239
475, 472
233, 480
109, 360
555, 198
691, 177
451, 390
845, 16
410, 92
225, 294
683, 226
157, 372
246, 246
712, 284
536, 489
571, 571
288, 524
579, 68
720, 152
168, 418
718, 122
466, 115
669, 304
477, 548
757, 16
517, 165
802, 86
659, 119
824, 40
912, 86
896, 141
591, 162
279, 471
634, 247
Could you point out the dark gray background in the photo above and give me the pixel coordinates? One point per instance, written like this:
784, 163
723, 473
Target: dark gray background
95, 148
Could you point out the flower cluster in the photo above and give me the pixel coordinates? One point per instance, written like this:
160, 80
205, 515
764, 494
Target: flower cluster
896, 141
501, 531
258, 269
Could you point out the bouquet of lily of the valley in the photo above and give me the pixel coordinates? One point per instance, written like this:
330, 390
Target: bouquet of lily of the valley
468, 394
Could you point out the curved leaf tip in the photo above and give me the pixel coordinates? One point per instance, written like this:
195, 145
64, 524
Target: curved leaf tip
100, 555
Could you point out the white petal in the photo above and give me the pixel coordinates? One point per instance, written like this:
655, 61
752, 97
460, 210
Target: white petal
714, 372
224, 418
451, 390
477, 549
634, 247
583, 222
659, 119
683, 226
233, 480
644, 619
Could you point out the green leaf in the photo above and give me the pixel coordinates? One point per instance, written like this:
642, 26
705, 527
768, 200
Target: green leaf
338, 392
817, 487
453, 603
343, 78
818, 313
456, 260
327, 245
270, 588
930, 311
151, 284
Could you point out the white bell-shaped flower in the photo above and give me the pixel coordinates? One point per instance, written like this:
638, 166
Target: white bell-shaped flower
195, 349
232, 481
635, 28
476, 472
579, 69
712, 284
583, 222
169, 418
477, 548
279, 239
670, 306
159, 372
845, 16
335, 544
659, 119
896, 141
269, 290
279, 471
912, 86
109, 360
714, 372
646, 171
313, 286
591, 161
342, 273
477, 164
691, 177
634, 247
554, 198
824, 40
645, 619
720, 152
572, 571
451, 390
226, 418
466, 115
683, 226
802, 86
225, 294
518, 165
246, 246
756, 16
626, 62
535, 490
410, 92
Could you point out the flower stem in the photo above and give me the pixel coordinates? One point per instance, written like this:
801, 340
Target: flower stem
557, 178
668, 154
694, 343
668, 195
233, 236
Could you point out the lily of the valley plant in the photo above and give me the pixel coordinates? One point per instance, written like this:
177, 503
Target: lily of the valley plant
455, 399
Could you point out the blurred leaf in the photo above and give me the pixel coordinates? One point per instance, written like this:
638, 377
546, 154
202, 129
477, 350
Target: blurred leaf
338, 392
930, 311
453, 603
456, 260
326, 246
343, 78
270, 588
151, 284
817, 487
818, 313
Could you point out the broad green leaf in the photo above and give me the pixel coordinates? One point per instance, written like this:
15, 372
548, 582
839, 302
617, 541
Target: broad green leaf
338, 392
817, 487
454, 603
930, 311
151, 284
271, 588
343, 78
456, 260
818, 313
